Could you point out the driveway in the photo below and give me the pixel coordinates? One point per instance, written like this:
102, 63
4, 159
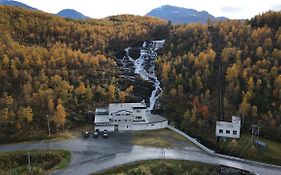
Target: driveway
94, 155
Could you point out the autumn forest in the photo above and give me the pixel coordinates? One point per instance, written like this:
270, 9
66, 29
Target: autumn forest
62, 68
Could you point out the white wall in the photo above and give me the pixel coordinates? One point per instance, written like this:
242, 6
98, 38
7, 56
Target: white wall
139, 112
231, 129
136, 126
125, 126
150, 126
102, 128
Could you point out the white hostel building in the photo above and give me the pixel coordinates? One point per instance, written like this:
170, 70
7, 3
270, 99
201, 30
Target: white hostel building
127, 116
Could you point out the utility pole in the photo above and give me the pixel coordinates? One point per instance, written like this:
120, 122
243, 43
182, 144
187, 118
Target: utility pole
49, 129
163, 159
220, 90
255, 132
28, 157
217, 43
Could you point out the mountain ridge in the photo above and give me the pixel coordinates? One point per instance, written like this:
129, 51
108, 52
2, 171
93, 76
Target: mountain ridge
66, 13
17, 4
71, 13
179, 15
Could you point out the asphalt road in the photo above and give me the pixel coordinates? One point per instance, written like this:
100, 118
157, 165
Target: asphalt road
94, 155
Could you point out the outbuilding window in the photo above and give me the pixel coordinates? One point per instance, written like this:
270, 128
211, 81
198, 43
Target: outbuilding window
234, 132
227, 131
220, 131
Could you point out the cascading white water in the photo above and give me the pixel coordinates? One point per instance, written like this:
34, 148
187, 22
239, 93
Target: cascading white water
148, 53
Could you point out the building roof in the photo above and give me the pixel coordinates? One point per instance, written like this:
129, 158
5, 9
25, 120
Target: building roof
114, 107
235, 118
234, 123
102, 119
224, 124
101, 109
151, 118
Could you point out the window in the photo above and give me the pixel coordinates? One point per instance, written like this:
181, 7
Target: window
234, 132
138, 117
119, 120
227, 131
115, 120
152, 124
125, 120
220, 131
138, 111
127, 126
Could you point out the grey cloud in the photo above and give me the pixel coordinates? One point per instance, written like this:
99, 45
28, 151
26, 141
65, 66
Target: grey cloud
229, 9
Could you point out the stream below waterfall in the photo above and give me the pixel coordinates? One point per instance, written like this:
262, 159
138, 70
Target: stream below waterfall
144, 66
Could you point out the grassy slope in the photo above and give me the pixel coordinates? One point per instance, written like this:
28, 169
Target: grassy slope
157, 138
244, 148
42, 162
240, 148
156, 167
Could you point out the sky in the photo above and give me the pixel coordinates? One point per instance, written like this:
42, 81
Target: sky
233, 9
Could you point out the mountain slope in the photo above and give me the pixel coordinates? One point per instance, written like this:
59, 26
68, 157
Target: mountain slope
57, 56
182, 15
70, 13
17, 4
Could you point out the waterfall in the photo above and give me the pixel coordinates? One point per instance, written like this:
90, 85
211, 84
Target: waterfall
148, 54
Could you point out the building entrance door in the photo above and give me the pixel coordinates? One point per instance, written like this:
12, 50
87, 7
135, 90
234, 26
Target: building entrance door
115, 127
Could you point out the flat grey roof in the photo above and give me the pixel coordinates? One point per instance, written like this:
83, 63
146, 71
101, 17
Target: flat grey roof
224, 124
102, 119
101, 109
151, 118
235, 118
114, 107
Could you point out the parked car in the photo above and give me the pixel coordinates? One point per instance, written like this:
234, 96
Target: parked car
86, 134
105, 134
96, 134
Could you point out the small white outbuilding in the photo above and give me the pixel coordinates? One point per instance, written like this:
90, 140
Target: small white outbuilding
229, 129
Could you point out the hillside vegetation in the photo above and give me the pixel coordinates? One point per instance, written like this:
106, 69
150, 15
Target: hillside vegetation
63, 68
41, 162
165, 167
250, 54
